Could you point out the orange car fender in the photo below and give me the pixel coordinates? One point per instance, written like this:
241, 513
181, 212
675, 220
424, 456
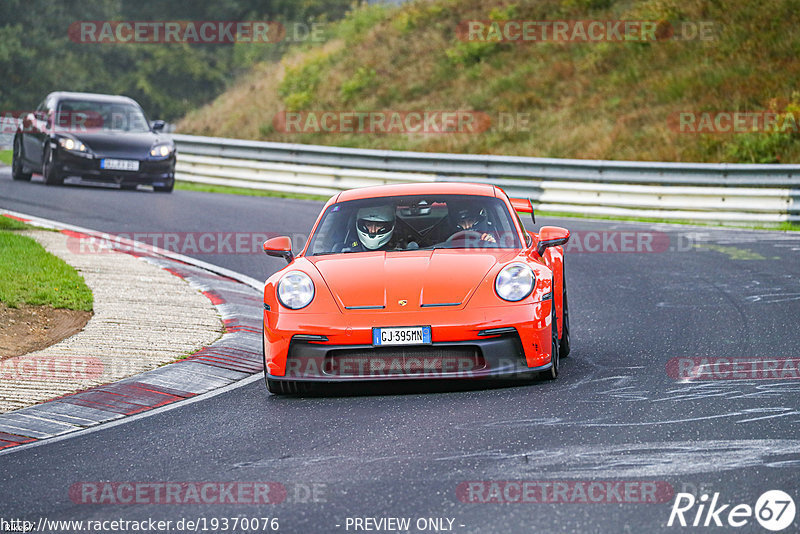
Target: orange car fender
535, 337
276, 346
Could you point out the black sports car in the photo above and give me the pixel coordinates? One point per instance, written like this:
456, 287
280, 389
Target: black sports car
100, 138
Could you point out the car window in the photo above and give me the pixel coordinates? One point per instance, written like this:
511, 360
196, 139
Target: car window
106, 116
414, 223
48, 111
40, 112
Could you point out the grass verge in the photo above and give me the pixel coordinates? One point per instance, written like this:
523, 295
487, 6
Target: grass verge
7, 223
5, 157
31, 275
207, 188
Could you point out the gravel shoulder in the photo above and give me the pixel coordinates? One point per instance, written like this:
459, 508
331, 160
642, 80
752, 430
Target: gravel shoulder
144, 317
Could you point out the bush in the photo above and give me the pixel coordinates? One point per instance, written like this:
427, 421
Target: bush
362, 79
300, 84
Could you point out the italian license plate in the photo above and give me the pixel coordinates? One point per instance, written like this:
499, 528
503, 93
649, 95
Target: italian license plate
403, 335
119, 164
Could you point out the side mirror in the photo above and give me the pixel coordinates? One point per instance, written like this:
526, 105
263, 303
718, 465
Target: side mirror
280, 247
551, 236
158, 125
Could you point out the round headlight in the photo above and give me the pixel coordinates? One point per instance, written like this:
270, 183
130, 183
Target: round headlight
71, 144
514, 282
295, 290
160, 151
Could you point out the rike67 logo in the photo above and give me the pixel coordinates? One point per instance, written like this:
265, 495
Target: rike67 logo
774, 510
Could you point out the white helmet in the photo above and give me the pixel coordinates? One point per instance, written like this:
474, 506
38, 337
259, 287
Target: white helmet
375, 226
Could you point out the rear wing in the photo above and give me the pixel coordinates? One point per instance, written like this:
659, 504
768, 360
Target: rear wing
524, 205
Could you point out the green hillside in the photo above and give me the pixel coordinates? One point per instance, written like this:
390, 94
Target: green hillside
609, 100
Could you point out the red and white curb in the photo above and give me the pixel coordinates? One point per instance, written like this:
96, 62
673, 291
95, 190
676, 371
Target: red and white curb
235, 359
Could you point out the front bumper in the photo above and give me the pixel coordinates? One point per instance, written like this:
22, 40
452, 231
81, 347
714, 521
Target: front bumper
500, 356
151, 172
461, 346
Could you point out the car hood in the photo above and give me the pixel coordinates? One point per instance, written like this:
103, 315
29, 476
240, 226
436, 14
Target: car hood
424, 278
120, 144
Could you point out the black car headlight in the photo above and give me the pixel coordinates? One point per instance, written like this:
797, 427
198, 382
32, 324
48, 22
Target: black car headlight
73, 145
162, 150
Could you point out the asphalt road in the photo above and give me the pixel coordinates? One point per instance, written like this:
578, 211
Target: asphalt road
614, 415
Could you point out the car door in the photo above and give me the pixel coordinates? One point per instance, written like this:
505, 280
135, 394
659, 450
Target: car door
35, 129
28, 138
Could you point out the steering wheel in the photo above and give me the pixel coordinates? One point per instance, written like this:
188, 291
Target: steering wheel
464, 235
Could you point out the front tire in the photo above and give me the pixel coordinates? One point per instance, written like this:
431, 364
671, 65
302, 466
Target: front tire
51, 174
17, 167
552, 373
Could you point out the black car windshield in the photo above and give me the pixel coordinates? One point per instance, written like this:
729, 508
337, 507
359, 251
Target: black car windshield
415, 222
87, 115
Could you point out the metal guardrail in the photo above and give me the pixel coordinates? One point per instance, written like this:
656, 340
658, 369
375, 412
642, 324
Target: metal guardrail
694, 191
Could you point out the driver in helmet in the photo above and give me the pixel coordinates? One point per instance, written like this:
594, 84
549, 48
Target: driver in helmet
472, 217
375, 227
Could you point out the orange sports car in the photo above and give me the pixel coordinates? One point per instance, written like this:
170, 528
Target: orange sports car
416, 281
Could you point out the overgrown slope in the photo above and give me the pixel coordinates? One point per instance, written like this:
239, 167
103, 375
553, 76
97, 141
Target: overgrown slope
609, 100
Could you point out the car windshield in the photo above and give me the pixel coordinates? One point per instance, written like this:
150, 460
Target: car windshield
413, 223
88, 115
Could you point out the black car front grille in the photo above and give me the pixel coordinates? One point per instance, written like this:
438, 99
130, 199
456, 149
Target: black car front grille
411, 360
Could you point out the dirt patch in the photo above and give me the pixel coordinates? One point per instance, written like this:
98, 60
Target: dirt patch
29, 328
